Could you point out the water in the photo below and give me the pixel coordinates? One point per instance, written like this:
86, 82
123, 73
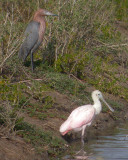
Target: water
112, 146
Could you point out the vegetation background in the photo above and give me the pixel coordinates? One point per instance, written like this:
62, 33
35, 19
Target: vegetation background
85, 48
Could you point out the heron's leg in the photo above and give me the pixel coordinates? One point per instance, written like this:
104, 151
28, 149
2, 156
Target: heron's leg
32, 64
32, 51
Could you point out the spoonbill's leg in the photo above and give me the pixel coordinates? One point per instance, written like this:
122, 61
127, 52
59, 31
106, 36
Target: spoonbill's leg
82, 137
125, 137
82, 152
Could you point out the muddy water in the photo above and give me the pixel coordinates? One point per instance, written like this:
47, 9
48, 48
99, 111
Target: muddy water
112, 146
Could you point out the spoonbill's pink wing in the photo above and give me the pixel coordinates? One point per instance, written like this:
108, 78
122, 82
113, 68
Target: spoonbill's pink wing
80, 116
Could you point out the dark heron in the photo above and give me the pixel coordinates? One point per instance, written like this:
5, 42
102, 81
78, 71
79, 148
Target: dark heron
34, 34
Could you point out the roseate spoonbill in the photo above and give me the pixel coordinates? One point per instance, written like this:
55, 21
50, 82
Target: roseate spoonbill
34, 34
83, 116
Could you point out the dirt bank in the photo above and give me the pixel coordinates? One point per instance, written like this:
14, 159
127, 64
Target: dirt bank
15, 148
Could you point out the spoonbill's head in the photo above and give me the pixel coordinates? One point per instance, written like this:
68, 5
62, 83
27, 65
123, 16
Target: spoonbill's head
97, 95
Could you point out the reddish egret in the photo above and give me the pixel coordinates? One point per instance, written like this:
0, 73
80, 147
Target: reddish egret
34, 34
83, 116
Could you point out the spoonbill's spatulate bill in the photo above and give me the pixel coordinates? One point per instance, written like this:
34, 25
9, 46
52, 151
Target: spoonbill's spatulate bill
84, 115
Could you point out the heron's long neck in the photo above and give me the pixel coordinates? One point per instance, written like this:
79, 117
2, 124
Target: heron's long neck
97, 106
42, 22
42, 28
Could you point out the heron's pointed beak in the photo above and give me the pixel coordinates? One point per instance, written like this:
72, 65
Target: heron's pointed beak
107, 104
47, 13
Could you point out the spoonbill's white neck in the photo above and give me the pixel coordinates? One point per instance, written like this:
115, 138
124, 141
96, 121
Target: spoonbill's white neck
97, 104
98, 107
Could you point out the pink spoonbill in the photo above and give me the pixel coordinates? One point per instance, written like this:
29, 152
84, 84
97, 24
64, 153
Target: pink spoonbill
83, 116
34, 34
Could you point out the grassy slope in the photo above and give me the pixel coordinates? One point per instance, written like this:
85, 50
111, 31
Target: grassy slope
90, 53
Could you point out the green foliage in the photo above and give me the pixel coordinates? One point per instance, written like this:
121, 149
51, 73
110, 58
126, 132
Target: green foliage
10, 95
11, 92
9, 117
47, 102
41, 108
108, 34
64, 84
41, 140
122, 10
73, 63
38, 87
86, 28
106, 79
